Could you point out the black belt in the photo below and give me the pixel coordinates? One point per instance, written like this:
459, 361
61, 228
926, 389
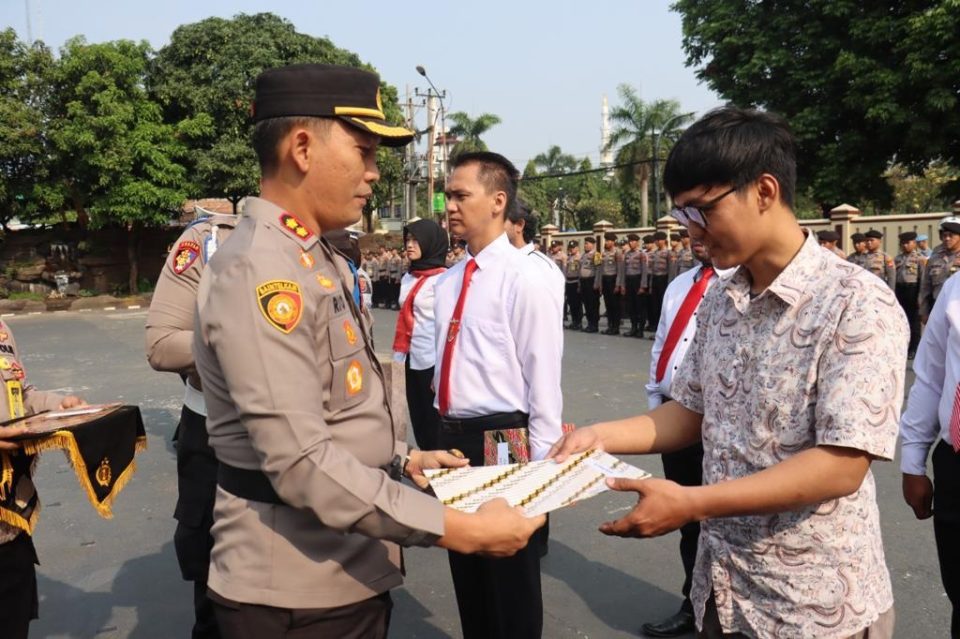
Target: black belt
516, 419
248, 484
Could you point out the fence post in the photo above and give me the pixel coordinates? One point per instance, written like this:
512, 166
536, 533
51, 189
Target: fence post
547, 231
840, 219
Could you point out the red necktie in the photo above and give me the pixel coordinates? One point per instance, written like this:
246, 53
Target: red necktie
955, 421
690, 304
404, 331
443, 394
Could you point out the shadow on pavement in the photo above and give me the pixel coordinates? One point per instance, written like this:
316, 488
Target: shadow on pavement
409, 619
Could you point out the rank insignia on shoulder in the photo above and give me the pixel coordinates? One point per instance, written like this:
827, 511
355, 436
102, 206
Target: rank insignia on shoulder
349, 332
281, 304
325, 282
306, 260
295, 227
354, 378
185, 255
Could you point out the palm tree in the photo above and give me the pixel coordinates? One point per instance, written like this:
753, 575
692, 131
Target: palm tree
469, 130
555, 161
637, 123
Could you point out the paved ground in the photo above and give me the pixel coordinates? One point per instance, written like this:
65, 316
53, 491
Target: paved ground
119, 578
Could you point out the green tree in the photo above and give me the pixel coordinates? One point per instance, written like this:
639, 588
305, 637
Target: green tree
116, 162
469, 130
24, 88
637, 124
921, 193
208, 70
862, 83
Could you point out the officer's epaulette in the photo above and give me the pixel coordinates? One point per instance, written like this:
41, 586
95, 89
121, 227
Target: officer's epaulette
214, 219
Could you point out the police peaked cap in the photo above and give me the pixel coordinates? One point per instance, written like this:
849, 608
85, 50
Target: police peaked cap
610, 236
683, 233
659, 235
828, 236
326, 91
856, 238
572, 243
874, 234
647, 239
907, 236
951, 224
590, 239
633, 237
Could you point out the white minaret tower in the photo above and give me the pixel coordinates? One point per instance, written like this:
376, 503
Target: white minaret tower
606, 155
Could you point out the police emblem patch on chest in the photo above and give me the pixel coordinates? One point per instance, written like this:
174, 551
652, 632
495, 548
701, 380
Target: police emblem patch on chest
350, 334
354, 378
281, 304
185, 255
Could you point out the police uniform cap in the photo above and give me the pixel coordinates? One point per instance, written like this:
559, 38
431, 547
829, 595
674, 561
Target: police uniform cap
660, 235
922, 238
674, 237
951, 224
327, 91
555, 243
856, 238
684, 233
828, 236
907, 236
610, 236
647, 239
633, 237
590, 239
572, 243
874, 234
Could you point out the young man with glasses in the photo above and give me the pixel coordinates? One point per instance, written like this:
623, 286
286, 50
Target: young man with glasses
780, 386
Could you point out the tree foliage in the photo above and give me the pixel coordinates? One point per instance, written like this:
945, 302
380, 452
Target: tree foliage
469, 130
862, 83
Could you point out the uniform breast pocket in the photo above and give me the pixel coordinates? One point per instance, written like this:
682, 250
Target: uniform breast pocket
351, 366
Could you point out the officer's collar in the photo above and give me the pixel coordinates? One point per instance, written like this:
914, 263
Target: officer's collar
284, 221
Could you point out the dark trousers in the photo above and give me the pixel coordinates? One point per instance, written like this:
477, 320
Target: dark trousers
497, 598
611, 300
658, 286
573, 304
591, 301
908, 296
686, 468
368, 619
377, 293
197, 488
635, 309
423, 416
18, 587
946, 525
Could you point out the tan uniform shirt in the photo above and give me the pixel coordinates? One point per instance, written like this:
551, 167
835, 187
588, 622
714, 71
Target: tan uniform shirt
909, 267
636, 263
940, 266
881, 265
685, 260
572, 268
588, 265
611, 266
660, 262
294, 389
170, 319
857, 258
20, 398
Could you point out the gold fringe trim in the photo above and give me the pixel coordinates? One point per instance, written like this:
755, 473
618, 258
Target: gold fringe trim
17, 521
141, 444
6, 475
64, 440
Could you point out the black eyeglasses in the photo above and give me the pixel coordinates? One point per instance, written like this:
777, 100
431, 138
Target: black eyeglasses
696, 214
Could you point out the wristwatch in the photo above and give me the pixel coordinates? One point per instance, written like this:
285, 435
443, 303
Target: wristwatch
397, 466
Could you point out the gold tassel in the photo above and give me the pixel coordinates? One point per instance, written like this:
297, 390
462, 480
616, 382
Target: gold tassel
141, 444
17, 521
6, 475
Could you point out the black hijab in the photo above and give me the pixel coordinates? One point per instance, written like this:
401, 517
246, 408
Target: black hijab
433, 244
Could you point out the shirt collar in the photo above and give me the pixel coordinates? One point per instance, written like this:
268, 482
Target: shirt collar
492, 252
285, 222
792, 281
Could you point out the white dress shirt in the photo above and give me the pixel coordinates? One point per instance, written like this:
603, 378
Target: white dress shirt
937, 369
672, 300
423, 340
510, 346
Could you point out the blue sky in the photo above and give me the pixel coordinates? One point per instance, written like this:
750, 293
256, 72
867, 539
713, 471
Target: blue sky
541, 66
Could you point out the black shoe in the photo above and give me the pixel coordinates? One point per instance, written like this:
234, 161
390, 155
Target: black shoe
679, 624
639, 335
611, 331
590, 329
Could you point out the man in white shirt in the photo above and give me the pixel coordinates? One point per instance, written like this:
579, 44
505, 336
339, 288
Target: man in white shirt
499, 349
677, 326
933, 411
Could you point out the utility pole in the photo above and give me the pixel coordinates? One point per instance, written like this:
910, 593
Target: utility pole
29, 25
431, 141
410, 166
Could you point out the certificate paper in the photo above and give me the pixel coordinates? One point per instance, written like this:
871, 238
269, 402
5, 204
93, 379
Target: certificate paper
539, 487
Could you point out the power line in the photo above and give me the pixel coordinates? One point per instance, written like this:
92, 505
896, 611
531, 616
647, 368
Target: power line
603, 169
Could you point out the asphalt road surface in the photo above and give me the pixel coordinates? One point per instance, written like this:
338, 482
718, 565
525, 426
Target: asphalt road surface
119, 578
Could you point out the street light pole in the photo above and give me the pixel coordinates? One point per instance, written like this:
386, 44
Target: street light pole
440, 95
656, 159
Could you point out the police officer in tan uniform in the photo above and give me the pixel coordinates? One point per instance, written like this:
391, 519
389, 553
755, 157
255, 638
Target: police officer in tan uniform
828, 239
878, 262
942, 263
635, 274
169, 338
685, 257
19, 503
609, 277
910, 263
859, 241
660, 266
571, 273
589, 291
309, 514
394, 273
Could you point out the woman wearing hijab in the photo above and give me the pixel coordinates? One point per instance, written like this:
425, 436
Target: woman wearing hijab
415, 339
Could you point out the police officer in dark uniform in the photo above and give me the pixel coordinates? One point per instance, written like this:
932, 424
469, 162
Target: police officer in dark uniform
909, 263
610, 278
635, 284
589, 293
571, 273
660, 263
